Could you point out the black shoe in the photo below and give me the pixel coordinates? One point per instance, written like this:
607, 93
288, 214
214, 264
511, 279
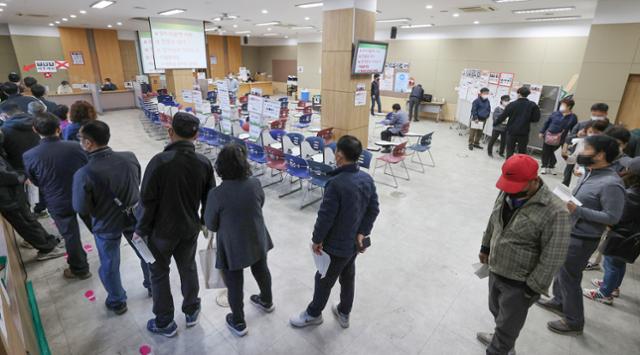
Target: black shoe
477, 146
238, 329
550, 306
490, 155
265, 307
416, 120
501, 155
149, 292
119, 309
470, 146
561, 327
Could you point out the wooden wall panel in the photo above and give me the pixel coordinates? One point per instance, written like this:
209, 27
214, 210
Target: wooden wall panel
234, 53
108, 56
215, 47
129, 58
283, 68
75, 39
337, 34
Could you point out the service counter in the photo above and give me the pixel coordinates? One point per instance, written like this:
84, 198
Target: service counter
68, 99
101, 100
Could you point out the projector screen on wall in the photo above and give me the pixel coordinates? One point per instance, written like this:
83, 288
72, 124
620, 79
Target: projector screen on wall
146, 53
178, 44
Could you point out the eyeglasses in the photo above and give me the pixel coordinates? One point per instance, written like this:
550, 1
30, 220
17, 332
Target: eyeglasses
79, 136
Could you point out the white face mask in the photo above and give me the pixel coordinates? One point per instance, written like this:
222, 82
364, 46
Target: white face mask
504, 103
564, 108
484, 97
598, 118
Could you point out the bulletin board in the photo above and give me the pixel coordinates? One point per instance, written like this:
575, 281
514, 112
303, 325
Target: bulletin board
471, 81
394, 81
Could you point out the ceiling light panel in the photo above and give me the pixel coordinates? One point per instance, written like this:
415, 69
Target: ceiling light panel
556, 18
310, 5
102, 4
171, 12
394, 20
546, 9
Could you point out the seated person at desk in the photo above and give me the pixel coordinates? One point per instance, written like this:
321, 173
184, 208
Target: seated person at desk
108, 85
396, 120
64, 88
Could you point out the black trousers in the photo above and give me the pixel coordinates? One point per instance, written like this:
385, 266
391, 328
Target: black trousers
343, 269
520, 141
414, 108
234, 279
568, 172
183, 251
495, 134
387, 134
25, 223
509, 306
376, 99
69, 228
548, 155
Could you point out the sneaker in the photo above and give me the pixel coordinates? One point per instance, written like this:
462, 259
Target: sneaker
304, 320
149, 293
592, 266
25, 244
169, 331
550, 306
470, 146
595, 295
265, 307
598, 283
52, 254
478, 146
543, 171
343, 319
41, 214
486, 338
192, 319
561, 327
552, 171
119, 309
68, 274
238, 329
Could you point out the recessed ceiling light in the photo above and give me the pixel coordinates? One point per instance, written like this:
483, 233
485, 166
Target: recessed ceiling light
265, 11
109, 26
119, 23
269, 29
272, 23
307, 18
501, 1
82, 12
73, 16
3, 4
102, 4
271, 34
216, 19
242, 32
417, 26
455, 14
476, 22
286, 36
309, 5
64, 19
1, 10
546, 9
557, 18
302, 27
51, 24
394, 20
171, 12
57, 22
235, 26
429, 7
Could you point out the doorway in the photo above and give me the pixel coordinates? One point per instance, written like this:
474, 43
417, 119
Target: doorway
629, 112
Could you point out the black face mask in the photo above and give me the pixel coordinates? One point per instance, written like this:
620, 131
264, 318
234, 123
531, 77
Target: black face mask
519, 195
585, 160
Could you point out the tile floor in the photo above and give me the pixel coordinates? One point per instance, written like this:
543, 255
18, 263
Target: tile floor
416, 292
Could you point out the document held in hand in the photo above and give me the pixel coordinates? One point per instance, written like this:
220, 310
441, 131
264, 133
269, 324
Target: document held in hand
564, 193
143, 249
322, 262
477, 125
481, 270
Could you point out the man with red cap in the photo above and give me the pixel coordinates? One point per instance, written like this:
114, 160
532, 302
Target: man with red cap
525, 244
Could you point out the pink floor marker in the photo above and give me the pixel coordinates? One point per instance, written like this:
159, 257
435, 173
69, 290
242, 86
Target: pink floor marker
90, 295
66, 256
88, 248
145, 349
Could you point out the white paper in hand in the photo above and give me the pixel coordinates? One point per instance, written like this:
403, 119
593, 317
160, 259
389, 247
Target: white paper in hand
564, 193
322, 262
481, 270
143, 249
477, 125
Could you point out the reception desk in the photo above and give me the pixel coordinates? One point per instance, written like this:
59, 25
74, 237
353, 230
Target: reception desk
69, 99
101, 100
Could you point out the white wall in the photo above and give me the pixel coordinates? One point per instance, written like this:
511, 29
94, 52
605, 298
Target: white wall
40, 31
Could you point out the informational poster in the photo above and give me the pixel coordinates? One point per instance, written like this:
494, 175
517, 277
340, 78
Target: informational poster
225, 125
46, 66
186, 96
494, 99
536, 92
178, 43
77, 58
494, 78
254, 131
146, 53
255, 104
223, 98
361, 95
506, 79
271, 109
502, 90
213, 60
386, 81
484, 78
369, 57
401, 83
196, 97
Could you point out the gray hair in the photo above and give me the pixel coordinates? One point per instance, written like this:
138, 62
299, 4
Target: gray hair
36, 107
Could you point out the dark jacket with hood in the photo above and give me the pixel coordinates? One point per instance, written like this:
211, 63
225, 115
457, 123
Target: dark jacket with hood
18, 138
12, 193
21, 100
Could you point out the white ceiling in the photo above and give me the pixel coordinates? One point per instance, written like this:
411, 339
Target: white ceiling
250, 13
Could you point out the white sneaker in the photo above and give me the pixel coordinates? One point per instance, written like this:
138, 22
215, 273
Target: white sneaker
343, 319
304, 320
543, 171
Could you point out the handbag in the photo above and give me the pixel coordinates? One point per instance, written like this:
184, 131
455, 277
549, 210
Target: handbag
553, 139
626, 248
212, 276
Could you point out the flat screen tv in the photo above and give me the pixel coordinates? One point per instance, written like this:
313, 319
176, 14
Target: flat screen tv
369, 58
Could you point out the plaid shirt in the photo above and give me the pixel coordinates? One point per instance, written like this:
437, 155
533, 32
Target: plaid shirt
533, 245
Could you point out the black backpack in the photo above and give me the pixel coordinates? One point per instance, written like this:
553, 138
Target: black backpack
625, 246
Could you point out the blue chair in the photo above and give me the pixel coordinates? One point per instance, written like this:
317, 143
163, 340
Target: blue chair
238, 141
256, 155
365, 159
223, 139
422, 145
304, 122
296, 167
313, 148
292, 143
319, 178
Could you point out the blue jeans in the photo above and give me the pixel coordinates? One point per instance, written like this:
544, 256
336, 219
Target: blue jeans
108, 245
614, 270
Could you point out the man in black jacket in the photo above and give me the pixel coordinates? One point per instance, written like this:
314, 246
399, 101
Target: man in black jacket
12, 91
107, 189
176, 182
375, 93
521, 114
414, 102
38, 91
18, 135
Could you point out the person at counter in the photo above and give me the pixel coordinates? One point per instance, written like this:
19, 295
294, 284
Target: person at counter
233, 84
38, 92
64, 88
11, 90
81, 113
108, 85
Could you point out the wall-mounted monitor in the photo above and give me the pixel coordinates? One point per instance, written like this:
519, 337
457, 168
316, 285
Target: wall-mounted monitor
369, 58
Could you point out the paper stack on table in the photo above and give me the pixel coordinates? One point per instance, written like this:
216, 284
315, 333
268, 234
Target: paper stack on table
322, 262
564, 193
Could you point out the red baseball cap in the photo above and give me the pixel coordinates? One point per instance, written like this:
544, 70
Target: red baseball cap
517, 171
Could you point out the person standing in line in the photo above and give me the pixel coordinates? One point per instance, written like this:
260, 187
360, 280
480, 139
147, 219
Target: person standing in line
629, 224
19, 136
602, 195
375, 93
234, 211
521, 114
417, 93
480, 111
80, 113
599, 112
12, 92
62, 112
524, 245
38, 92
348, 211
554, 132
51, 166
499, 130
107, 189
175, 183
29, 82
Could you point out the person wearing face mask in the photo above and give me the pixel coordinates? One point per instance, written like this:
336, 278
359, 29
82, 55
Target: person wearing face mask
233, 84
554, 132
106, 188
346, 216
521, 114
602, 195
499, 130
524, 245
599, 112
480, 111
417, 93
593, 128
